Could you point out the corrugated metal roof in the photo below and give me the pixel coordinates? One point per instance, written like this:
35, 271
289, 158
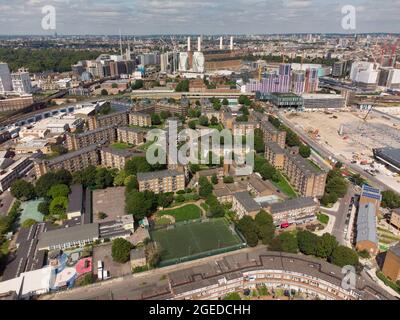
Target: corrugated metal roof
366, 223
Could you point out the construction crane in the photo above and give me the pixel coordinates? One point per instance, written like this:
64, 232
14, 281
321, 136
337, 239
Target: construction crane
393, 56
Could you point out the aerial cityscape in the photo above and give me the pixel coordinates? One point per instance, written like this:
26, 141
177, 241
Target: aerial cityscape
163, 155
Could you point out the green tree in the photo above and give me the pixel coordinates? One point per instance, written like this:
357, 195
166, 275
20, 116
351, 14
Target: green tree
305, 151
225, 102
390, 199
58, 190
120, 250
326, 245
137, 164
58, 207
214, 121
86, 177
43, 207
138, 84
192, 124
165, 115
84, 280
307, 242
164, 200
23, 190
132, 184
104, 178
101, 215
104, 92
358, 180
216, 104
140, 204
285, 242
275, 121
205, 187
343, 256
182, 86
59, 149
265, 227
249, 229
28, 223
259, 144
229, 179
155, 119
214, 179
242, 118
203, 121
194, 112
232, 296
194, 168
244, 100
338, 165
119, 179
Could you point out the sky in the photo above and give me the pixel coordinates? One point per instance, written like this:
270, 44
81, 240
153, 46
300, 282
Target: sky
145, 17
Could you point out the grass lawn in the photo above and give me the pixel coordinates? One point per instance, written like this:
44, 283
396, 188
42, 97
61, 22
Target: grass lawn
313, 164
219, 127
188, 212
145, 146
323, 218
285, 187
194, 238
121, 146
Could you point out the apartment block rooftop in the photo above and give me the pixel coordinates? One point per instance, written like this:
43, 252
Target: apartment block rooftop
144, 176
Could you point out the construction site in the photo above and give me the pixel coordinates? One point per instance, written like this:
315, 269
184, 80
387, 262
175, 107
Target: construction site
353, 135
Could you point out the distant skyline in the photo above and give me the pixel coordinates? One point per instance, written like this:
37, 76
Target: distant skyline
146, 17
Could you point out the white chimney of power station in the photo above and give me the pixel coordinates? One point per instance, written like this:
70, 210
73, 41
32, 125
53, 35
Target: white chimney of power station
221, 43
199, 44
188, 44
231, 43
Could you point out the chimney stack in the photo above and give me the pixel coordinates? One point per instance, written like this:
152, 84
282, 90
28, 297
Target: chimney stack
199, 44
221, 43
188, 44
231, 43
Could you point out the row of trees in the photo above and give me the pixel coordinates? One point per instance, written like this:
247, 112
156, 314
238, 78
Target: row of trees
292, 139
265, 169
390, 199
7, 224
336, 187
308, 243
183, 86
261, 228
57, 60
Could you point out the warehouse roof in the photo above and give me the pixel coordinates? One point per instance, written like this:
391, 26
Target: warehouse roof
62, 236
366, 223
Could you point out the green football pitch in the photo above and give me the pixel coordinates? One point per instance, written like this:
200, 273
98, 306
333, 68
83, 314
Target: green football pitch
195, 238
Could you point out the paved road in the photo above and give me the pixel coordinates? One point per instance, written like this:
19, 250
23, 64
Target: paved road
121, 288
342, 216
326, 153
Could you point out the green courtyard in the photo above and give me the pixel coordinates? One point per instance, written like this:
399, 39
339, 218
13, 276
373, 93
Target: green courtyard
187, 212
